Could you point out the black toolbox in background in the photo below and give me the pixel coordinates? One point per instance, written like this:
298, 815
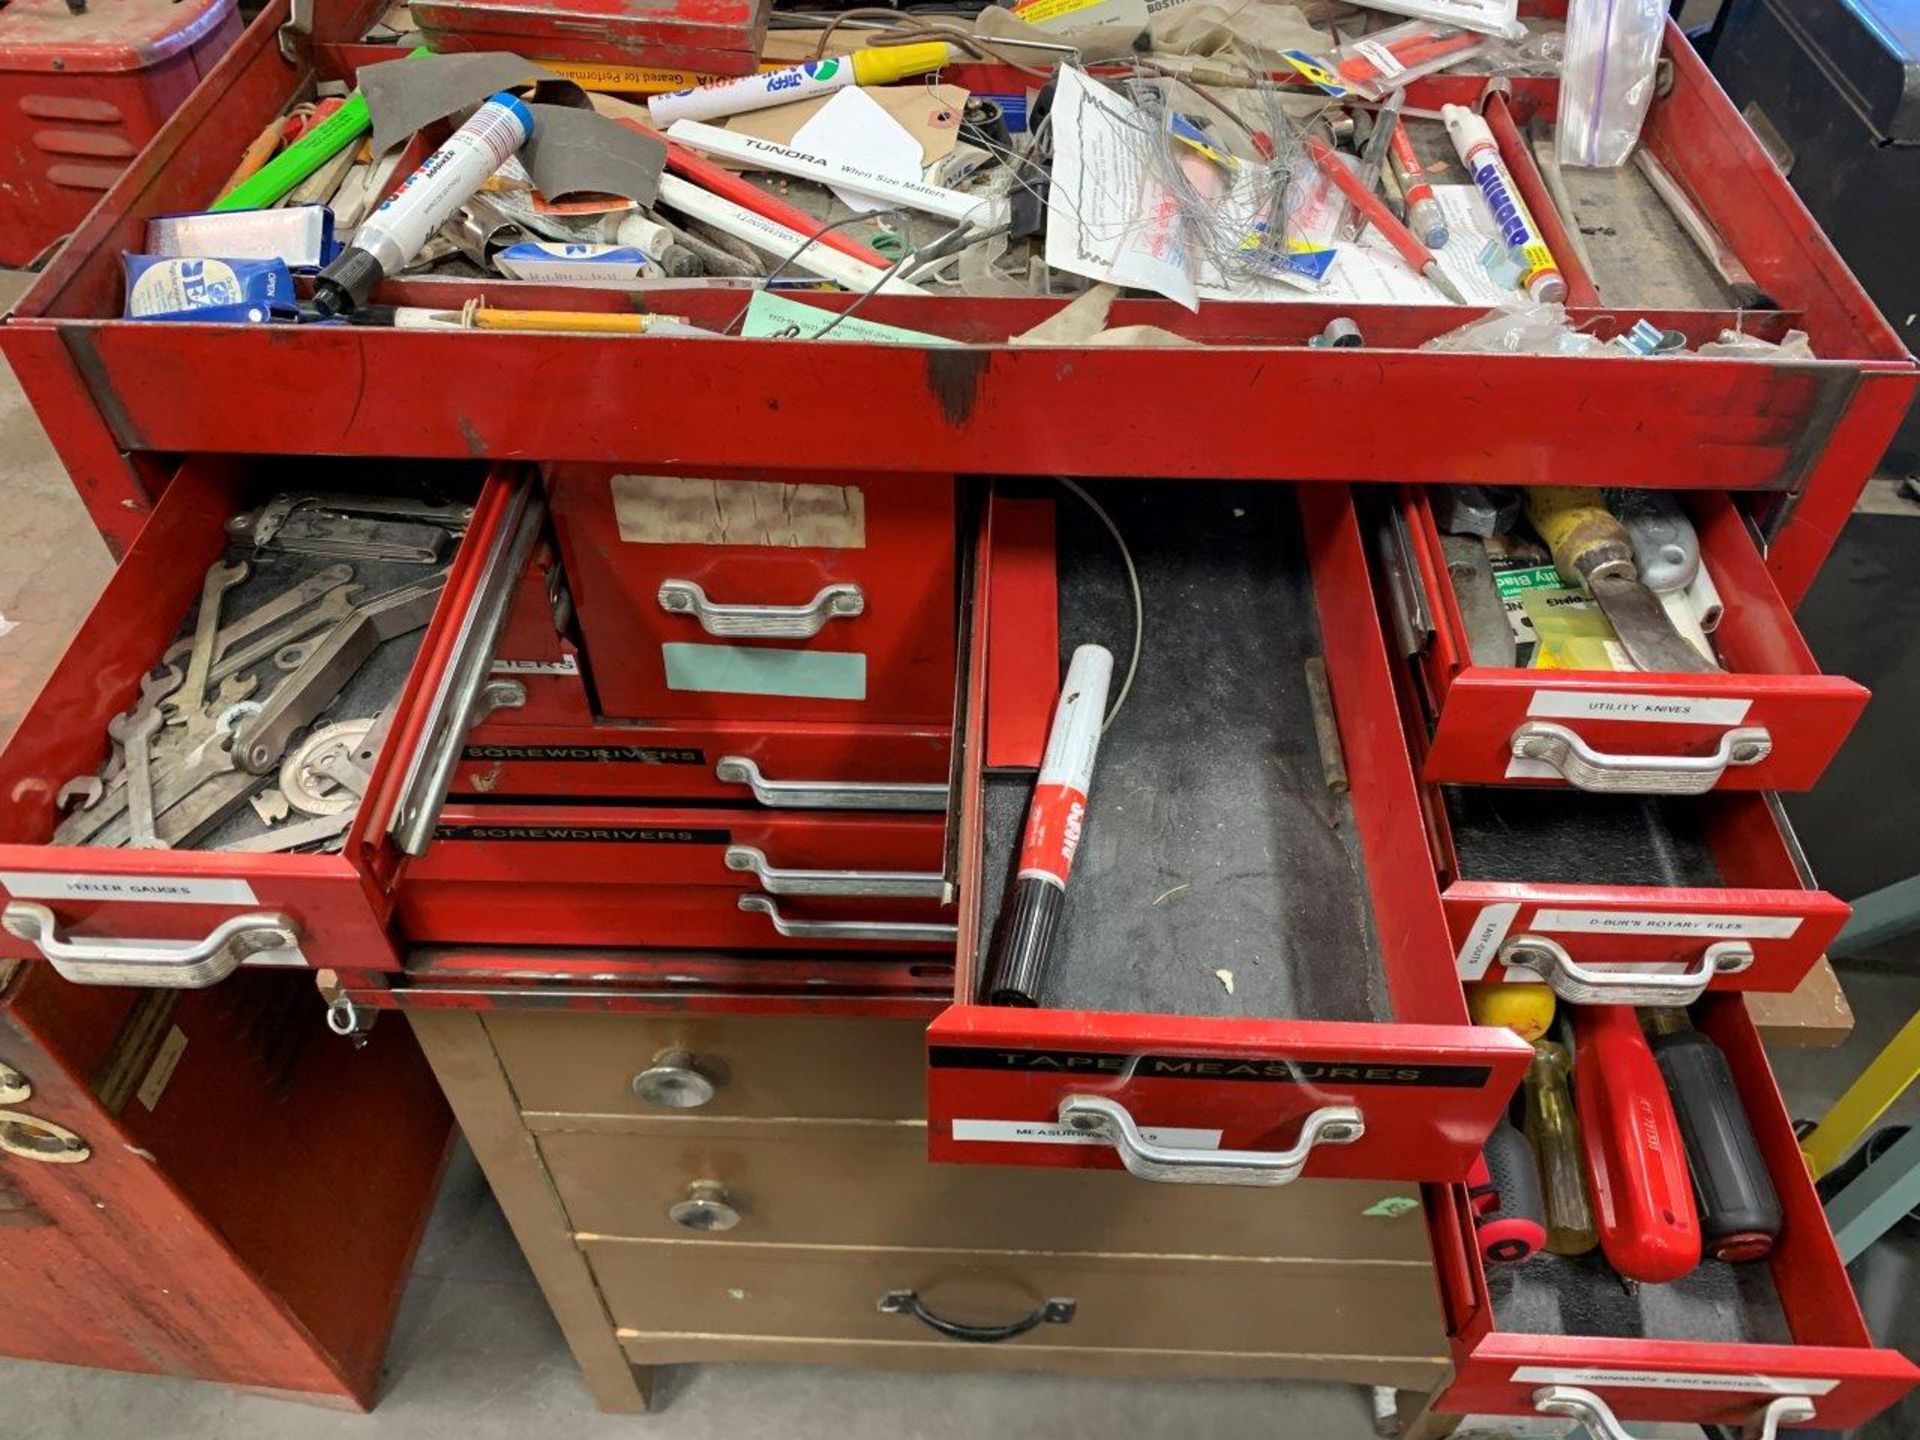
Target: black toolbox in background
1833, 88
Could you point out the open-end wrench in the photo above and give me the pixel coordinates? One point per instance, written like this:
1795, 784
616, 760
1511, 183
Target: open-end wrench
192, 694
133, 731
301, 832
287, 602
329, 610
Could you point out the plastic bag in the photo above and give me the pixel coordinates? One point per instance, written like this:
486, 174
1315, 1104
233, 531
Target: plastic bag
1489, 17
1524, 328
1606, 78
1400, 54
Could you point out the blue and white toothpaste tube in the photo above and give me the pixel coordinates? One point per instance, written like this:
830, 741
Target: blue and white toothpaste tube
174, 287
445, 181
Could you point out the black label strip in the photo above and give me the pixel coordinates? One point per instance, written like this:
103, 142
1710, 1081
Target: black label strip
585, 834
1267, 1069
588, 754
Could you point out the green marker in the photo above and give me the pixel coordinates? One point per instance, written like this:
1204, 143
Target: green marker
306, 155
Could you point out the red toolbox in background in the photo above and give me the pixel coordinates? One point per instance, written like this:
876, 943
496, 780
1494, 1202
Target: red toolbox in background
713, 37
82, 93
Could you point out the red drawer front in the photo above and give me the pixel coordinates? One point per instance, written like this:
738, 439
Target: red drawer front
1830, 1360
1772, 683
1763, 903
874, 554
717, 37
339, 904
534, 875
1428, 1086
991, 407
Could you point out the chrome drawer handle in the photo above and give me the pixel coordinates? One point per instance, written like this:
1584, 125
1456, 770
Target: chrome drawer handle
1586, 768
762, 622
155, 964
829, 794
904, 884
1572, 981
1593, 1412
708, 1209
849, 929
1108, 1119
674, 1082
906, 1302
14, 1087
28, 1137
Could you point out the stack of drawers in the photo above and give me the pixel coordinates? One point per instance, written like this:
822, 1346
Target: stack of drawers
743, 1188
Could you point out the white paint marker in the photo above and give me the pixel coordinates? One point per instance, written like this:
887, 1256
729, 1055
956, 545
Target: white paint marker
985, 211
735, 95
776, 239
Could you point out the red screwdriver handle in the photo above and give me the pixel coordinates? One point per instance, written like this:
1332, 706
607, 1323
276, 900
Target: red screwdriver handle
1636, 1163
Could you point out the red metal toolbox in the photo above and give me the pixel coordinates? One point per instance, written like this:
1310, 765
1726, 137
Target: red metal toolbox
693, 878
736, 597
335, 907
1276, 995
555, 743
1719, 1348
714, 37
181, 1175
1771, 722
113, 389
82, 90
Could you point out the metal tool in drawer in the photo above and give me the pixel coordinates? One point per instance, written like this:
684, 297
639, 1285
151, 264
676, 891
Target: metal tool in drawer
258, 730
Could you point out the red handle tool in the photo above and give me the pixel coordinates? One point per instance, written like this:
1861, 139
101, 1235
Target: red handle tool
1636, 1163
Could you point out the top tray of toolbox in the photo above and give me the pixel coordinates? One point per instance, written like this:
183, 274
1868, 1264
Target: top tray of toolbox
1251, 401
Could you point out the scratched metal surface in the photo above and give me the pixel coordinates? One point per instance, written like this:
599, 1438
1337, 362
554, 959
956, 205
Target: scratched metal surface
1212, 842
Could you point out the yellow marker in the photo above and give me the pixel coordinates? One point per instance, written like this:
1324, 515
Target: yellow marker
878, 65
636, 79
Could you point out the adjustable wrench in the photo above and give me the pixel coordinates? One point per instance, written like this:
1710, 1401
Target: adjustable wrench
192, 694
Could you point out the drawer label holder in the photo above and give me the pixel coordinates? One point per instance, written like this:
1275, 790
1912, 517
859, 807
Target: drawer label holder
1268, 1069
585, 834
147, 889
1656, 709
1040, 1132
1671, 1380
587, 754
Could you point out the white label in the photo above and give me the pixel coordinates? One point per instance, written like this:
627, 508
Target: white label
165, 1061
1484, 940
1670, 1380
1661, 709
1038, 1132
565, 665
1382, 58
165, 889
1654, 922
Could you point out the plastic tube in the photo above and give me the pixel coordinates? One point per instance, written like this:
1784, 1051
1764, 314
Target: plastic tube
776, 239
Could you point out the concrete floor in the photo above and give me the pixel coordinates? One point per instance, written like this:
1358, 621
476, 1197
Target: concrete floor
476, 1354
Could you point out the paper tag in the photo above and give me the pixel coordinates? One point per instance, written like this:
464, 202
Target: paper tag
1385, 64
1038, 1132
159, 1074
1670, 1380
148, 889
1483, 941
1664, 709
1656, 922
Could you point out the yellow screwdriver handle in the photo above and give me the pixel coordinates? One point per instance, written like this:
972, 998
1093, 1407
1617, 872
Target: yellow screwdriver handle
1578, 528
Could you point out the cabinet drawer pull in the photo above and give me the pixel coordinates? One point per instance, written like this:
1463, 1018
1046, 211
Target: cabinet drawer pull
674, 1082
1593, 1412
1586, 768
706, 1209
762, 622
902, 930
830, 794
464, 697
906, 1302
13, 1086
1111, 1121
903, 884
28, 1137
1572, 981
155, 964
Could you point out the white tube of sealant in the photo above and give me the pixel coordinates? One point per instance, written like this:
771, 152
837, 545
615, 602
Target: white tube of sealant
985, 211
776, 239
446, 180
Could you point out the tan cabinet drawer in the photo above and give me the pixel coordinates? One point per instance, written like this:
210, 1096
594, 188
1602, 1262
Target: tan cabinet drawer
873, 1186
774, 1066
1272, 1307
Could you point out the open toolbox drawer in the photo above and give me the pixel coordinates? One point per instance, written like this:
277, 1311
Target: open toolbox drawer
1719, 1347
1220, 974
1771, 722
188, 916
1814, 429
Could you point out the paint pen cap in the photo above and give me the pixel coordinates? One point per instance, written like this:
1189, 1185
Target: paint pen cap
1548, 287
883, 64
1466, 127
